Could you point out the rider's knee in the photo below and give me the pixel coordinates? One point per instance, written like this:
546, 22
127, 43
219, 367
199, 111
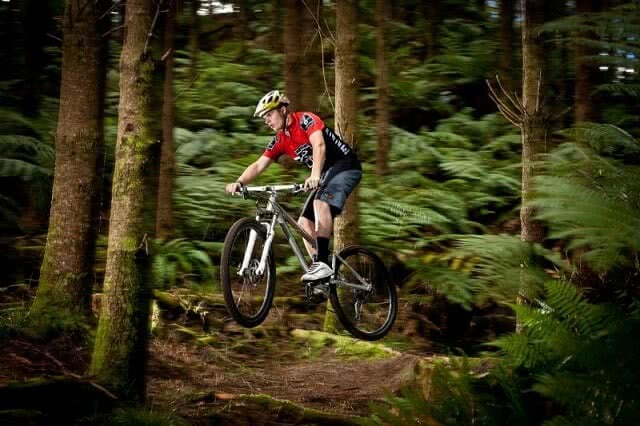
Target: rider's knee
306, 224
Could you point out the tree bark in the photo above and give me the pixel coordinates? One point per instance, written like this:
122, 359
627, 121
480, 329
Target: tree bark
434, 18
533, 126
507, 37
311, 59
119, 357
585, 107
241, 30
164, 216
64, 290
293, 53
36, 16
194, 36
346, 87
382, 89
302, 60
277, 35
346, 225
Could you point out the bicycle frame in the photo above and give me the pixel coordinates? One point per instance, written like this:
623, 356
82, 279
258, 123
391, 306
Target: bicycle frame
274, 214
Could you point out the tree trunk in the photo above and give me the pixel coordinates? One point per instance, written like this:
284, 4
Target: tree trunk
276, 35
302, 60
585, 106
164, 216
64, 291
194, 36
241, 29
293, 53
533, 127
311, 65
119, 356
346, 225
434, 17
36, 16
382, 89
507, 37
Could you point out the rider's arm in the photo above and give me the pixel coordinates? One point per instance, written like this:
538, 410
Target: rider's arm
250, 173
254, 170
319, 157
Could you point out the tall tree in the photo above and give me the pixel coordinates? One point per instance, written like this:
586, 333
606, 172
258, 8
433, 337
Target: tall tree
276, 38
194, 37
434, 19
346, 225
36, 17
64, 290
310, 18
302, 61
585, 108
382, 89
241, 29
119, 356
292, 52
346, 123
164, 216
507, 37
533, 122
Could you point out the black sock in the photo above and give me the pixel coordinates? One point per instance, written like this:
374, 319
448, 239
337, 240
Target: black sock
322, 244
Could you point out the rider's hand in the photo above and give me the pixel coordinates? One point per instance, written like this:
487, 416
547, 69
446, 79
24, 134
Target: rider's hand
234, 187
311, 183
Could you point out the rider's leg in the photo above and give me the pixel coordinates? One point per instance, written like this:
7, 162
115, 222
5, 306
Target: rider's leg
329, 202
324, 228
310, 228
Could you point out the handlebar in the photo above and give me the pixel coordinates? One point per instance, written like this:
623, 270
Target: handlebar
245, 191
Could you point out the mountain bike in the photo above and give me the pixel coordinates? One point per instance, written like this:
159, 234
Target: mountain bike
362, 297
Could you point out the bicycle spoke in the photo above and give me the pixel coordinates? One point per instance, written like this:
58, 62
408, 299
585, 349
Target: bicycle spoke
247, 293
366, 313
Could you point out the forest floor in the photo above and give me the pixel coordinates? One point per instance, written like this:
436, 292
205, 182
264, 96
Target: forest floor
267, 375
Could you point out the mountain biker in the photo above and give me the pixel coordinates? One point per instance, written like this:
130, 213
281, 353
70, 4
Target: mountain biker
335, 171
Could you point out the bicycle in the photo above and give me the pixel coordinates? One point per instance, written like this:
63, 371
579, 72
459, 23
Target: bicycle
359, 290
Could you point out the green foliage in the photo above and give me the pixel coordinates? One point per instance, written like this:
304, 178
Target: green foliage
579, 355
443, 182
223, 93
590, 195
181, 262
450, 394
144, 417
13, 321
24, 157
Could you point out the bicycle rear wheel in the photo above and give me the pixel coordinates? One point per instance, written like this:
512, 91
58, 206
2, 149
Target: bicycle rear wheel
366, 314
247, 294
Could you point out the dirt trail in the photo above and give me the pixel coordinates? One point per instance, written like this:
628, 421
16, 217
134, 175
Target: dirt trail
195, 382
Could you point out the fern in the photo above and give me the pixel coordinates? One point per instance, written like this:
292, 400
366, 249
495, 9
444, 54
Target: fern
180, 262
580, 354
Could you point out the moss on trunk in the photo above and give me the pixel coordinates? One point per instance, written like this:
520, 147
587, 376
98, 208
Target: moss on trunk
63, 297
119, 356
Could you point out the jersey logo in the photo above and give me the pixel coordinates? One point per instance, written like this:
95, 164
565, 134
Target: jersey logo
306, 122
273, 143
304, 154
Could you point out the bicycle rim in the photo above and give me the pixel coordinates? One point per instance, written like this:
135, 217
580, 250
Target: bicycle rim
368, 315
248, 295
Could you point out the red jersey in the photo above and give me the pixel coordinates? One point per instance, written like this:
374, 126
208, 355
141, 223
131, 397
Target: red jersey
294, 142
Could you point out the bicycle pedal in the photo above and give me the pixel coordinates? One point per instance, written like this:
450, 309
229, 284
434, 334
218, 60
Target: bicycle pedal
316, 291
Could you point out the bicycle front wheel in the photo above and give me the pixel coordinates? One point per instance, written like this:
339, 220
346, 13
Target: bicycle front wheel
248, 293
366, 314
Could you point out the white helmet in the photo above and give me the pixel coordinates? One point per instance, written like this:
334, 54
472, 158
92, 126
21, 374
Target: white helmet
272, 100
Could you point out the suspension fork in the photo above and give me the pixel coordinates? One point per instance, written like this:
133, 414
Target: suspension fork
253, 236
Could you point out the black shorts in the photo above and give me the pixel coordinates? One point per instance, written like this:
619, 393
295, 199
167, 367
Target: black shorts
334, 192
